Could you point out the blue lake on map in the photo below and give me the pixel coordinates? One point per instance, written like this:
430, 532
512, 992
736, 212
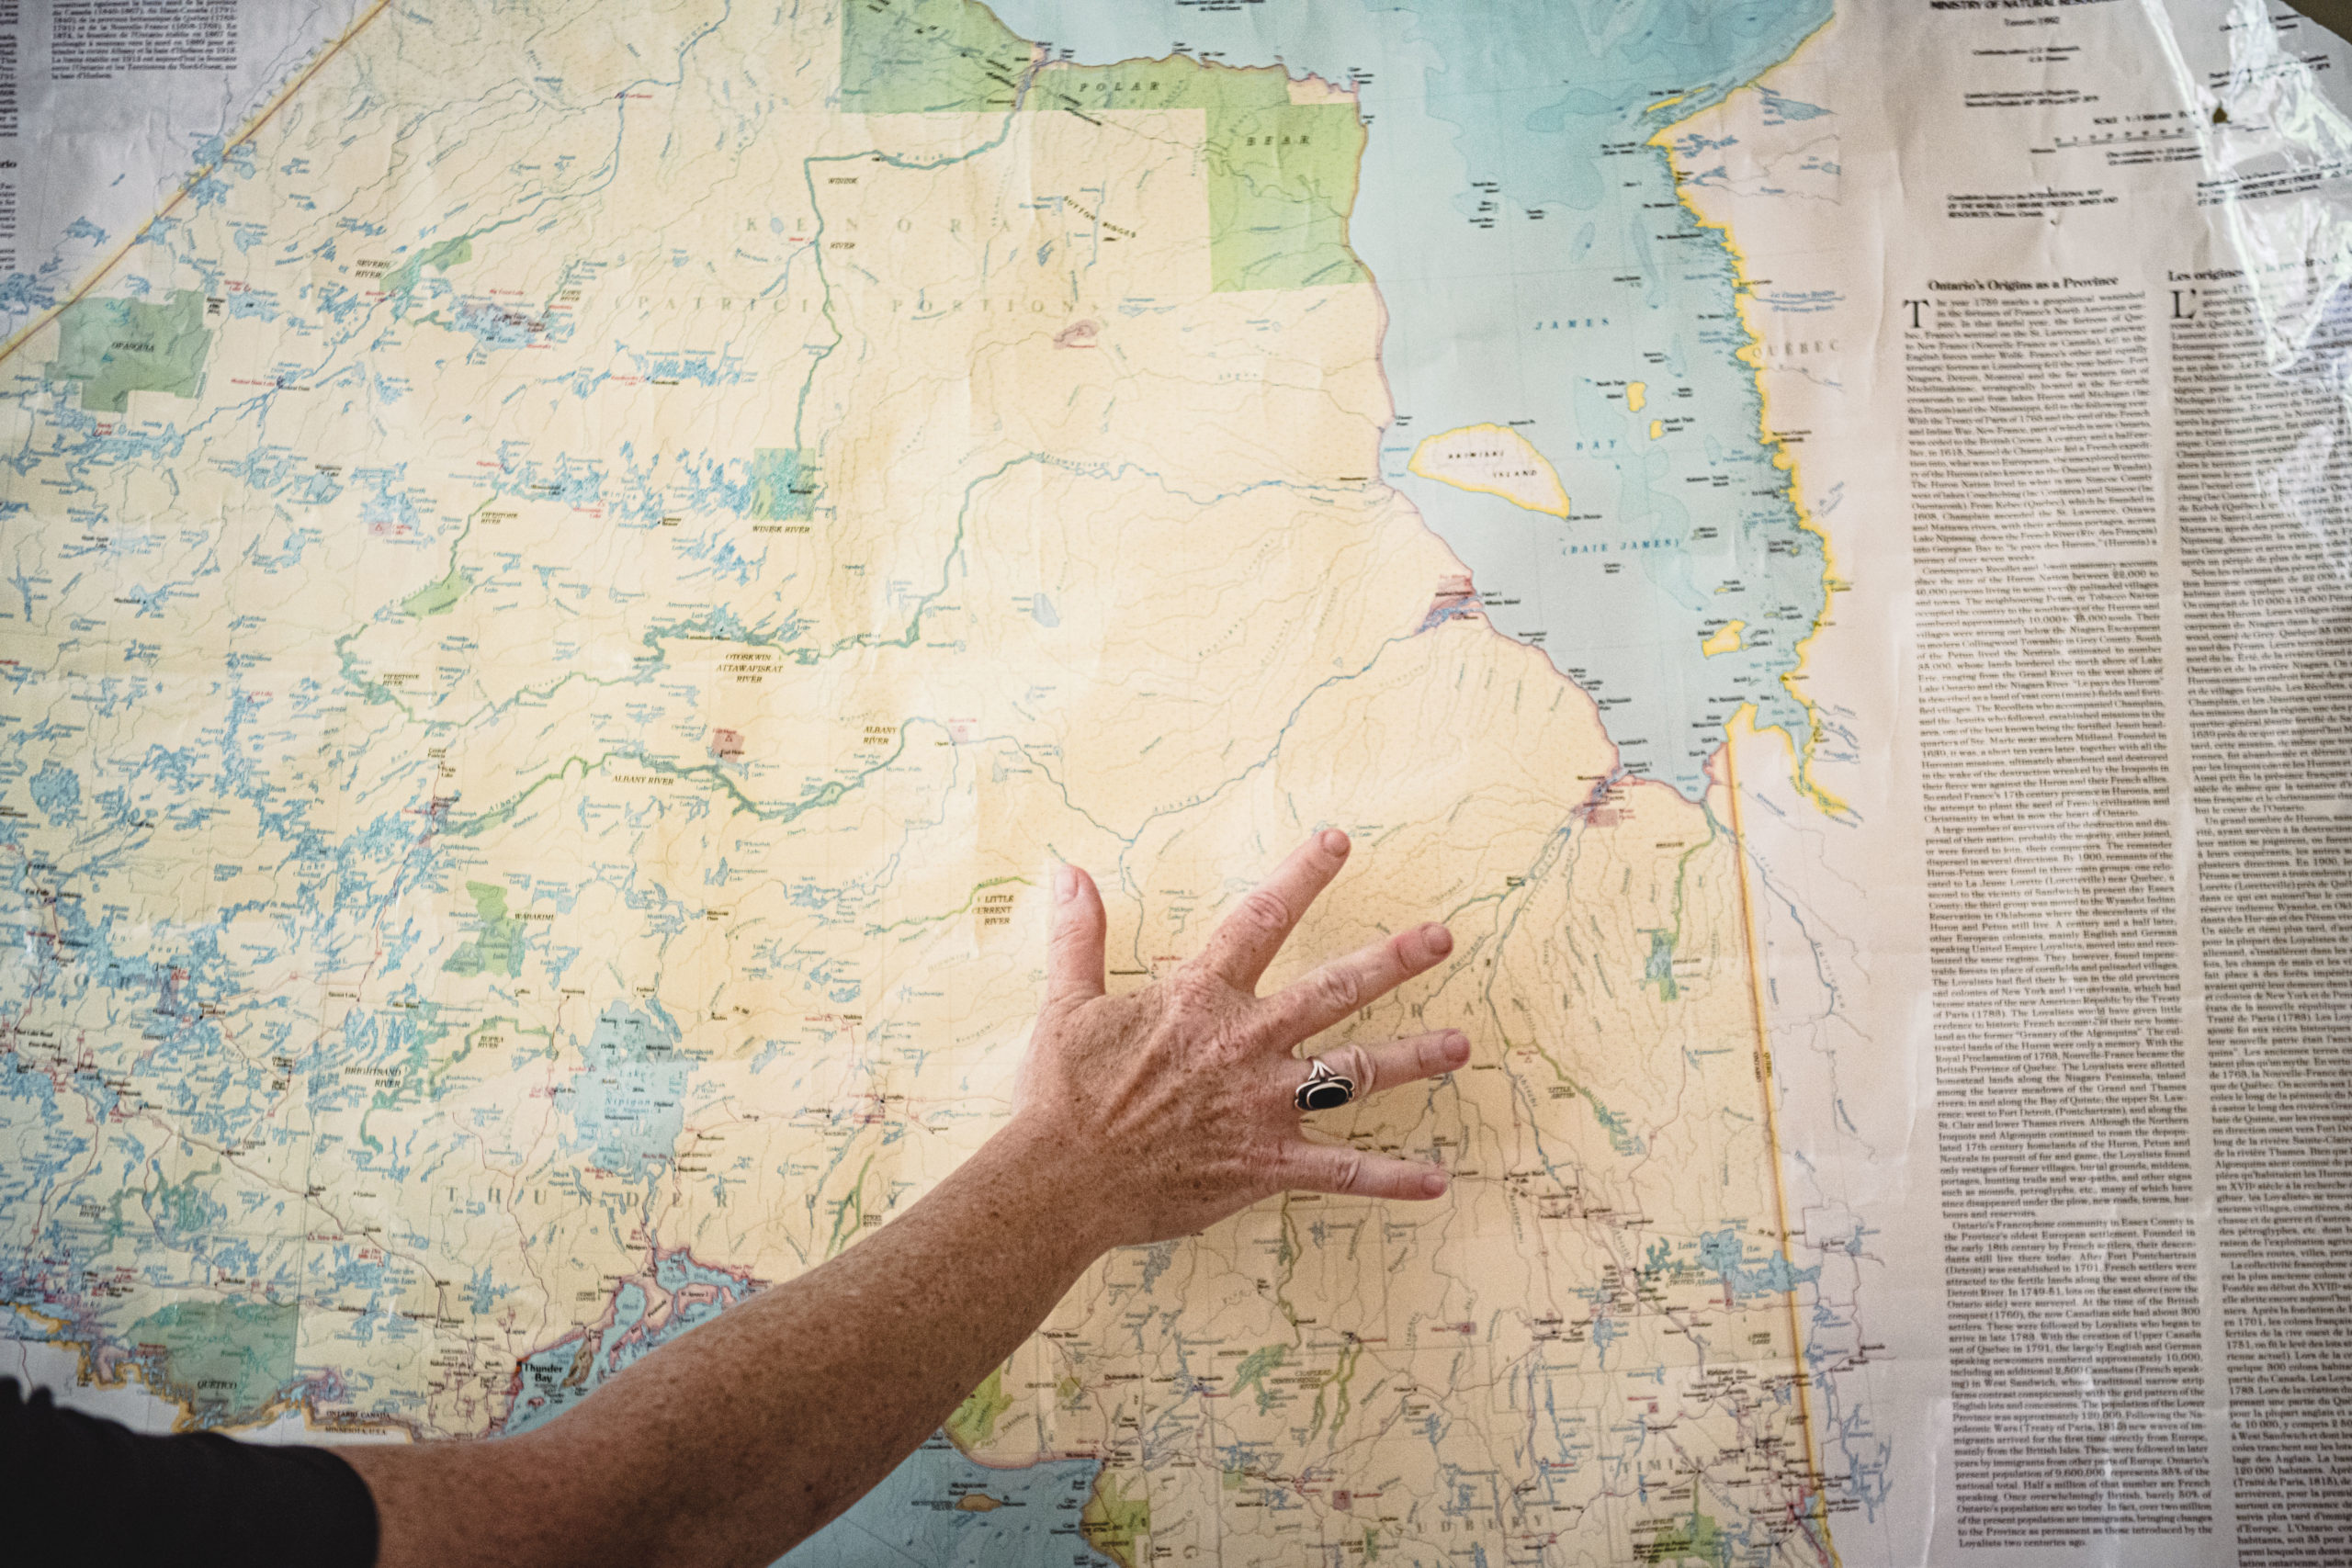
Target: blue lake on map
942, 1510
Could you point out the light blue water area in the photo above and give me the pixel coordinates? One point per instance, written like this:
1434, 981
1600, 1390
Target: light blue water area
554, 1380
1535, 259
1779, 110
1015, 1518
1723, 1254
627, 1101
57, 792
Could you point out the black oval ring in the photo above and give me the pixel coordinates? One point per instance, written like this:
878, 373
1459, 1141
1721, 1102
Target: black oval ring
1325, 1089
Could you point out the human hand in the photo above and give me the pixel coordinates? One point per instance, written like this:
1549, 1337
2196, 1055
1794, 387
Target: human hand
1167, 1108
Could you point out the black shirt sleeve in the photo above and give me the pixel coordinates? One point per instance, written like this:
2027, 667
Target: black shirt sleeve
78, 1489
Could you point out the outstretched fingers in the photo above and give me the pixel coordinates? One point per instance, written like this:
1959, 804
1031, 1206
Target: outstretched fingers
1336, 1168
1074, 947
1315, 1002
1374, 1067
1246, 941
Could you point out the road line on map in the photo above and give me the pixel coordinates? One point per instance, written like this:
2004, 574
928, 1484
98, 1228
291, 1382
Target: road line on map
1773, 1135
252, 127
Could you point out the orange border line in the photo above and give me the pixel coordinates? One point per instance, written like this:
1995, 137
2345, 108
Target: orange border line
1772, 1142
252, 127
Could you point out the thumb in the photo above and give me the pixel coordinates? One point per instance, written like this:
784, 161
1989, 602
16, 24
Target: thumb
1074, 963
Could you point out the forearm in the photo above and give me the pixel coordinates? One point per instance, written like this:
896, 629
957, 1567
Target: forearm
1142, 1116
751, 1432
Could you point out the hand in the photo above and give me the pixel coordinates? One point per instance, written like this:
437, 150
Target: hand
1164, 1111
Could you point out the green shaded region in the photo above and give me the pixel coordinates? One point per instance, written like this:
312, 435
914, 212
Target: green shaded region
497, 948
1253, 1370
1227, 94
1336, 1384
928, 56
1661, 968
783, 488
975, 1420
437, 598
1282, 184
1114, 1521
1696, 1537
185, 1209
227, 1361
1621, 1133
440, 257
115, 347
1281, 176
849, 1215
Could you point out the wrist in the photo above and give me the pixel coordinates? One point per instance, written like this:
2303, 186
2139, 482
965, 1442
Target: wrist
1053, 1181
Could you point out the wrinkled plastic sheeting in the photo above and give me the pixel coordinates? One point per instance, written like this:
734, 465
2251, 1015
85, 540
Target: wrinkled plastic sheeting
2278, 155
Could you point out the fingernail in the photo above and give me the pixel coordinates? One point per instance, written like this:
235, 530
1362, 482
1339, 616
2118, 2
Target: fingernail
1334, 842
1434, 1184
1065, 883
1457, 1048
1440, 941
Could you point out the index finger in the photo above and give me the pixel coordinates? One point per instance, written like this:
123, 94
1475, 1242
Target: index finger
1246, 941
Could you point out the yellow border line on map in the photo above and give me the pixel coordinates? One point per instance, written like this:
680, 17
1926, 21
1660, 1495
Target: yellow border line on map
1771, 1121
1743, 721
1752, 356
252, 126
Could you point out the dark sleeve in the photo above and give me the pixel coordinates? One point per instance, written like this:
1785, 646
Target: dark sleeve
94, 1492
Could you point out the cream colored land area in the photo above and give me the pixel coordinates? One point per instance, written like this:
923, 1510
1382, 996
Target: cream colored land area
1725, 638
1129, 604
1496, 459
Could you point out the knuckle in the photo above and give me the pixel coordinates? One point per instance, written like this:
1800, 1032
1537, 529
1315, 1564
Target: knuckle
1346, 1170
1195, 991
1337, 988
1264, 909
1355, 1062
1229, 1038
1275, 1166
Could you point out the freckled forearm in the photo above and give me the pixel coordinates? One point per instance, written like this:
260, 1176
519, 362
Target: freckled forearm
749, 1433
1145, 1115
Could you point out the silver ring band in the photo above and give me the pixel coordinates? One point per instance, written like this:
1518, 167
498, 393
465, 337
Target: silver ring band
1326, 1088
